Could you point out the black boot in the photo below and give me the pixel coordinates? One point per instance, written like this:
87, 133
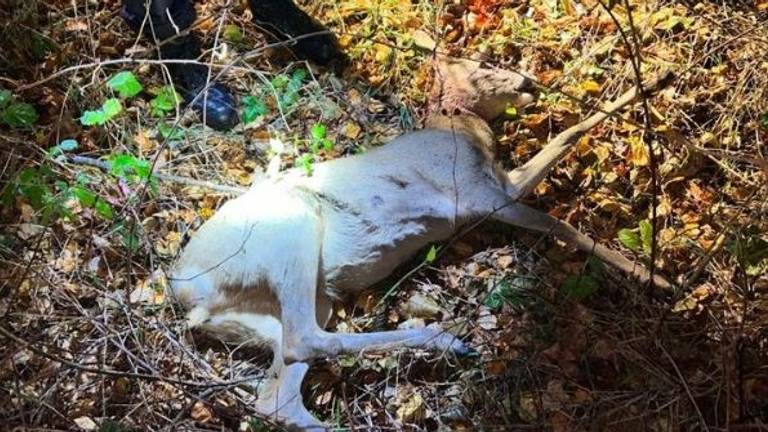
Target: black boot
283, 20
217, 107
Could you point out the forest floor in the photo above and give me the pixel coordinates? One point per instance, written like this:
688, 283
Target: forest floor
91, 340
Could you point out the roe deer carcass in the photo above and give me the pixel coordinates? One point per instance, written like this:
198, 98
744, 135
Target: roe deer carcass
268, 265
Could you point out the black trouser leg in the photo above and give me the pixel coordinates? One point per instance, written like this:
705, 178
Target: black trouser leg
283, 20
166, 22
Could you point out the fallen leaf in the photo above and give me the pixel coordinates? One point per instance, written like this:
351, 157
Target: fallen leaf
351, 130
86, 423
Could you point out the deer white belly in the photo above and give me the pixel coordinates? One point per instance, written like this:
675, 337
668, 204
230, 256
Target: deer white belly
371, 228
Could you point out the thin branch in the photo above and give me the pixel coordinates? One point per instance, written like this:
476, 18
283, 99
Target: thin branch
116, 373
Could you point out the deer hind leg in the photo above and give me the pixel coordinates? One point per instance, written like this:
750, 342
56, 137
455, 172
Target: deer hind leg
280, 399
523, 216
304, 339
296, 278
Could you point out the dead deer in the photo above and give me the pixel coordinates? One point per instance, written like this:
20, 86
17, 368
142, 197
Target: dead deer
267, 267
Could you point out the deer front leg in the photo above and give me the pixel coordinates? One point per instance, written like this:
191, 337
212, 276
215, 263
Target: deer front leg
522, 180
523, 216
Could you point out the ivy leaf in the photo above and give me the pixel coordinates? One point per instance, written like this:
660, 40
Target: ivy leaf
233, 33
431, 255
511, 112
91, 118
580, 287
103, 209
125, 84
630, 239
85, 196
165, 101
170, 133
5, 97
305, 161
64, 146
110, 108
318, 131
68, 145
646, 235
253, 108
291, 94
19, 114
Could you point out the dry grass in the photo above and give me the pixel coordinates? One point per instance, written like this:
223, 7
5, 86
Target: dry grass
89, 335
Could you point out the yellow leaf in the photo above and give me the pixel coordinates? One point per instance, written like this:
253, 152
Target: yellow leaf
351, 130
638, 152
383, 53
411, 409
205, 213
590, 86
568, 7
684, 305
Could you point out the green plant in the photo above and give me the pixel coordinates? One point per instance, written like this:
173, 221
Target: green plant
317, 139
253, 108
131, 169
16, 114
165, 101
170, 132
638, 239
109, 109
510, 290
285, 90
288, 88
581, 286
750, 250
125, 84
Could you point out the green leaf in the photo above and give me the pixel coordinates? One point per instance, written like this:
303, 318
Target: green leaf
68, 145
165, 101
64, 146
92, 118
19, 114
5, 97
170, 133
125, 84
511, 112
111, 107
318, 138
750, 250
431, 255
630, 239
233, 33
764, 120
292, 87
103, 209
85, 196
129, 167
130, 240
318, 131
305, 161
347, 361
646, 235
596, 268
580, 287
253, 108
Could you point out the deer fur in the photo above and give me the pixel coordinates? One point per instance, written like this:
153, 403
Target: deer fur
266, 268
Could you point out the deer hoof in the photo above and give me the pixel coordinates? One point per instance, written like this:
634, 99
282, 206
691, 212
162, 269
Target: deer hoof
445, 341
